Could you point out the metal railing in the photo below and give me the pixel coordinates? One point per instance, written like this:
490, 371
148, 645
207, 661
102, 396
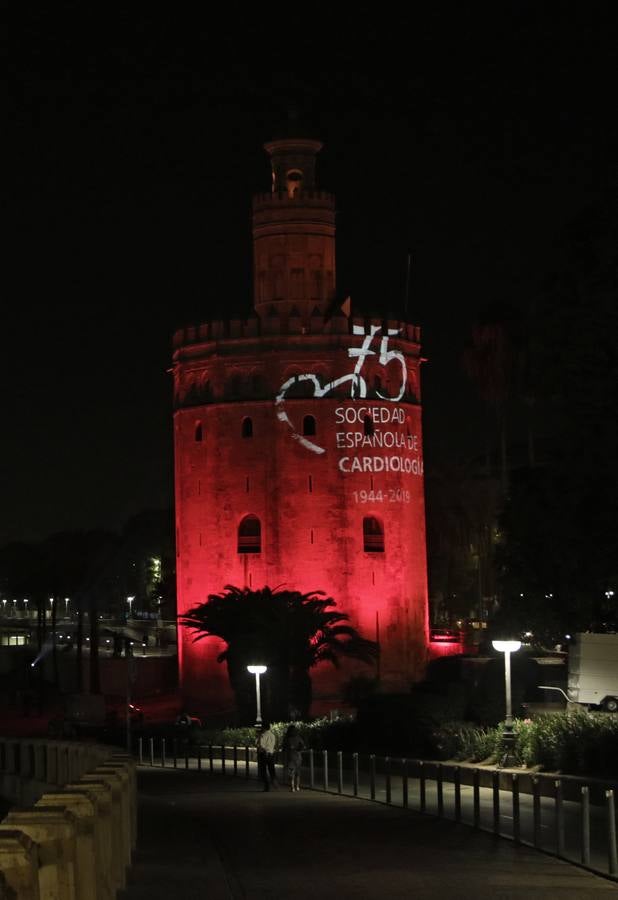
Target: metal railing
568, 817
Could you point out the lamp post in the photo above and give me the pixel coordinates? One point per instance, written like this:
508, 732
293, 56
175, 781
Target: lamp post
66, 607
508, 735
257, 671
130, 601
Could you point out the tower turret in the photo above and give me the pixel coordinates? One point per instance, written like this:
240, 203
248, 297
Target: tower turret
293, 234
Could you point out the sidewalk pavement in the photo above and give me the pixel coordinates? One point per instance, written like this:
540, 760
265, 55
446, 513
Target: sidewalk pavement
223, 838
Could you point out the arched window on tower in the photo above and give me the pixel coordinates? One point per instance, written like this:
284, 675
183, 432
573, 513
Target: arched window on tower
199, 432
247, 427
368, 425
309, 426
373, 535
294, 180
250, 535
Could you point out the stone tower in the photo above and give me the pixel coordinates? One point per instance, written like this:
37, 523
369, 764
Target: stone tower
298, 448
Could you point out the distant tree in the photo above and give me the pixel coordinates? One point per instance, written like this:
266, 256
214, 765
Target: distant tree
463, 503
146, 537
67, 564
559, 549
288, 631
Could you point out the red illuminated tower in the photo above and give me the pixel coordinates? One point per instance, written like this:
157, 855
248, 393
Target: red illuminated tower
298, 451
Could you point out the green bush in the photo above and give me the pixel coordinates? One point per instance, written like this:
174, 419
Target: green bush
320, 734
459, 740
574, 743
240, 736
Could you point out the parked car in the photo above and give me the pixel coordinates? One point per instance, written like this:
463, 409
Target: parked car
92, 714
445, 635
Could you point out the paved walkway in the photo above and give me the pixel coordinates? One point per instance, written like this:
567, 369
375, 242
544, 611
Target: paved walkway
205, 837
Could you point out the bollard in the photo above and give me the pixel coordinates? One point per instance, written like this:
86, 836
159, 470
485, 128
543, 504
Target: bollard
151, 748
325, 768
162, 753
222, 759
387, 773
495, 784
476, 798
536, 812
355, 774
585, 826
516, 818
311, 770
440, 791
422, 787
339, 772
140, 754
559, 817
457, 782
372, 777
210, 759
404, 783
611, 833
247, 761
235, 758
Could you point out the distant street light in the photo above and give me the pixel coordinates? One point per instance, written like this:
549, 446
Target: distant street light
257, 671
66, 606
130, 601
508, 735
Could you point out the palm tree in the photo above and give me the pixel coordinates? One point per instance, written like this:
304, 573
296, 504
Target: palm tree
288, 631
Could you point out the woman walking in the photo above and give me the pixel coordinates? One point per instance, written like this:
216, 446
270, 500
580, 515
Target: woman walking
293, 745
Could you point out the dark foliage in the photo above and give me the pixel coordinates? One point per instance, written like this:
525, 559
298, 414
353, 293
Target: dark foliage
288, 631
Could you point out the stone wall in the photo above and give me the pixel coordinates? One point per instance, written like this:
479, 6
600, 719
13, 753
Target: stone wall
72, 830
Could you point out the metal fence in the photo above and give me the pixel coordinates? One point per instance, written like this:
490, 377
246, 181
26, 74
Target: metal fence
571, 818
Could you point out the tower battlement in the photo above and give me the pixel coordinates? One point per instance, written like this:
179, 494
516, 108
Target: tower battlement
281, 198
277, 324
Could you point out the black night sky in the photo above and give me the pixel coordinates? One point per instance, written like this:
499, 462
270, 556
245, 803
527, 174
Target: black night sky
465, 135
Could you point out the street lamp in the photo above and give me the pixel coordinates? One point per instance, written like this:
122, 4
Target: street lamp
66, 607
130, 601
257, 671
508, 735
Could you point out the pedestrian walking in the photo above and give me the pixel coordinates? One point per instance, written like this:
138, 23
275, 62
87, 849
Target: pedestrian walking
293, 745
266, 747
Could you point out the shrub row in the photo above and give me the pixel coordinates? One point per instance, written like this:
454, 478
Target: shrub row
574, 742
